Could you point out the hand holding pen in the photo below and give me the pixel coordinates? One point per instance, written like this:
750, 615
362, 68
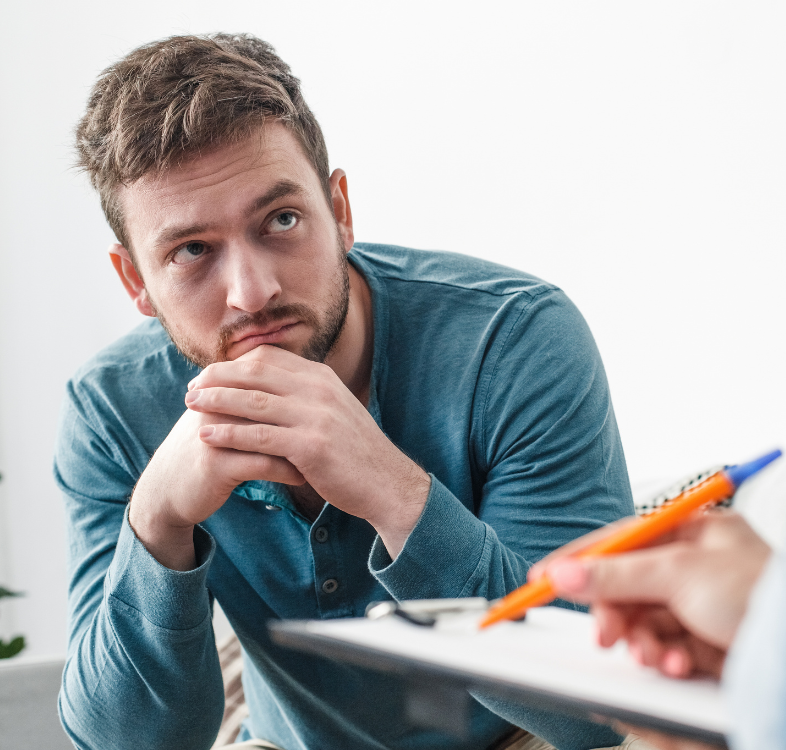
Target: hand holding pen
678, 603
630, 534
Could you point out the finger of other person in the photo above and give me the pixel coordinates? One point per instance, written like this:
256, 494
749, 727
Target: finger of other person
656, 638
691, 529
647, 576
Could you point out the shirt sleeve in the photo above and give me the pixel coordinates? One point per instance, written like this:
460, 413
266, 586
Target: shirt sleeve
142, 667
754, 678
549, 453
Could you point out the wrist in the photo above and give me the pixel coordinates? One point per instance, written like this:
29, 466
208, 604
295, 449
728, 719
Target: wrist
401, 510
171, 544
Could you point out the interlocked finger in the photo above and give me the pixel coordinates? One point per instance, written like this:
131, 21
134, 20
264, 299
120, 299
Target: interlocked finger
268, 439
253, 405
246, 466
248, 374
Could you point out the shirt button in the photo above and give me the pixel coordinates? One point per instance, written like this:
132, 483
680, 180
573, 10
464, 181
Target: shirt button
272, 507
330, 585
321, 534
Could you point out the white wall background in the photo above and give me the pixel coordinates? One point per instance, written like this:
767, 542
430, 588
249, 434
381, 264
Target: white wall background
633, 153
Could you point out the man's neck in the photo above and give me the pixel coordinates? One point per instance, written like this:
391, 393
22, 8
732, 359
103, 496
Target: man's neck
352, 356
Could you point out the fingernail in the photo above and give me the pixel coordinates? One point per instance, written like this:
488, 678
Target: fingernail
206, 431
569, 576
192, 397
191, 384
674, 663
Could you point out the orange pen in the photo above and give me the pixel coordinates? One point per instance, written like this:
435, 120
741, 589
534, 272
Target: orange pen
638, 533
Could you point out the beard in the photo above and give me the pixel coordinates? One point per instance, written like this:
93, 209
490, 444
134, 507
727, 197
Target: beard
327, 327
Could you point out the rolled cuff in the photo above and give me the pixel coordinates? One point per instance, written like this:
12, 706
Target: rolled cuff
172, 599
441, 556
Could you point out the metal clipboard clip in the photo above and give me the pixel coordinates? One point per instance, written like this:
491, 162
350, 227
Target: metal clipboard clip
426, 612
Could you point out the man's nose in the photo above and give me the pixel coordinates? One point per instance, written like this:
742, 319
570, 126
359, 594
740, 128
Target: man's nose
251, 278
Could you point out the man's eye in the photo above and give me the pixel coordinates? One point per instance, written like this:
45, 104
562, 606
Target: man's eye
282, 222
190, 252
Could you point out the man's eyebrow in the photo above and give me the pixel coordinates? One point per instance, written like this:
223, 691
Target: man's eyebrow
173, 234
281, 189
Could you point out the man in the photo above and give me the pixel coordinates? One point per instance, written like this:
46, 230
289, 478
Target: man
685, 604
363, 422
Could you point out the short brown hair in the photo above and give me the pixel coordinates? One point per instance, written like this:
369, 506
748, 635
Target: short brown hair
168, 100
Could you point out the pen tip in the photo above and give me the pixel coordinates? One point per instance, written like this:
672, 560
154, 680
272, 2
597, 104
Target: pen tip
738, 474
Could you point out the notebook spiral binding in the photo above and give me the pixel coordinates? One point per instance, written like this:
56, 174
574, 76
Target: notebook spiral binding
665, 497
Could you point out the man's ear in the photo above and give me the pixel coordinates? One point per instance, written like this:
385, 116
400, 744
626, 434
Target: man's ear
121, 260
341, 207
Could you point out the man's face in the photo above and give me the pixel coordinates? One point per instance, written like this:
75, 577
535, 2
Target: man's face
239, 247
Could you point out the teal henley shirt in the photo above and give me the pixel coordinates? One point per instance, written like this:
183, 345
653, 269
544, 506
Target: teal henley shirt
487, 377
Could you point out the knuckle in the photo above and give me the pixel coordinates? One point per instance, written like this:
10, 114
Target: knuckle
256, 354
251, 368
324, 392
261, 434
258, 400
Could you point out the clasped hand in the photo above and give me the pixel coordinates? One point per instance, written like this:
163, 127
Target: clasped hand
272, 415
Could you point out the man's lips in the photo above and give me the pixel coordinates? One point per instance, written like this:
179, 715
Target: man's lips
264, 335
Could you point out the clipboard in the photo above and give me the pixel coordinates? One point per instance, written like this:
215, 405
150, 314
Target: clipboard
550, 661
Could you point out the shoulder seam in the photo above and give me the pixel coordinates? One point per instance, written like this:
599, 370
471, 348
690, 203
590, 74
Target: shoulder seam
512, 292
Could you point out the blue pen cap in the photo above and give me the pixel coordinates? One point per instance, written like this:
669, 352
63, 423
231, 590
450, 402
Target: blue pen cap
738, 474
